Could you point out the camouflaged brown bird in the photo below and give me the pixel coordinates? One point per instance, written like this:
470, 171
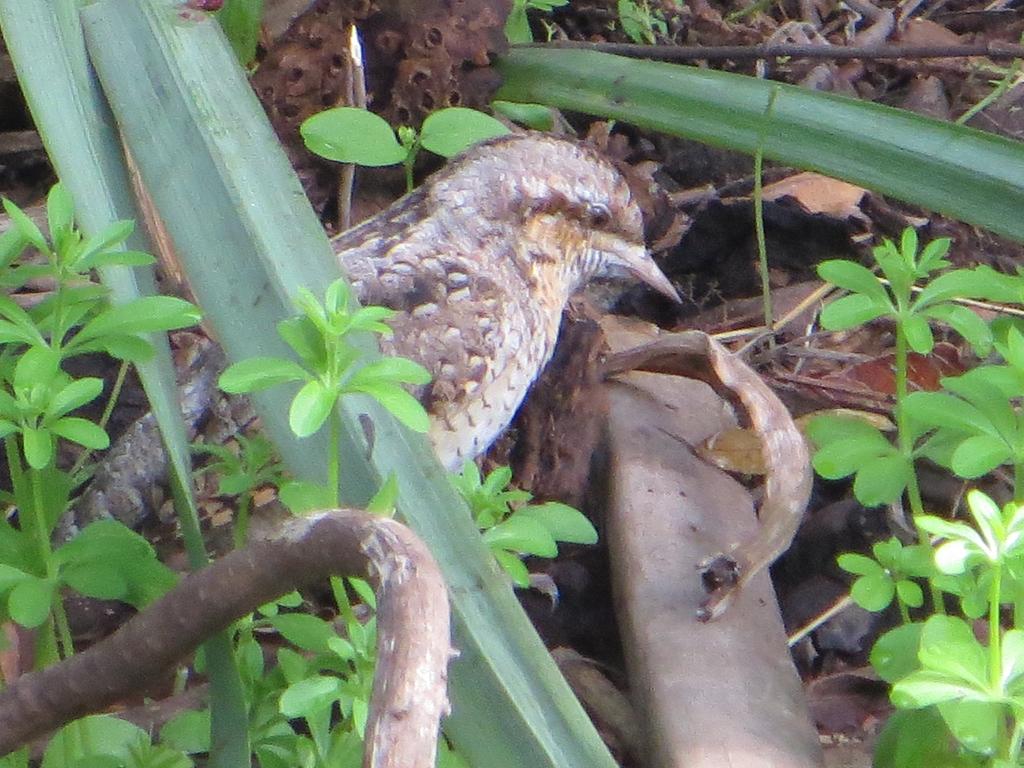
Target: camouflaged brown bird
480, 261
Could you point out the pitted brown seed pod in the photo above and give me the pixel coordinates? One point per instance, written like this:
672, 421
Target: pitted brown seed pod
480, 261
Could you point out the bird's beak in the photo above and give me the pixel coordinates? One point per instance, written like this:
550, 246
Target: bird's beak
635, 260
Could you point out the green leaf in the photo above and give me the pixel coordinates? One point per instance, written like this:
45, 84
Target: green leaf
844, 458
882, 480
942, 410
403, 406
854, 278
916, 737
1013, 659
26, 227
980, 454
300, 629
918, 333
910, 593
305, 340
60, 211
105, 735
861, 565
115, 259
146, 315
96, 578
958, 284
38, 446
301, 497
513, 565
535, 116
76, 394
310, 696
389, 369
966, 322
851, 311
30, 600
350, 135
450, 131
386, 497
310, 408
924, 688
975, 724
259, 373
949, 647
874, 592
563, 522
933, 255
81, 431
894, 655
12, 245
521, 533
36, 366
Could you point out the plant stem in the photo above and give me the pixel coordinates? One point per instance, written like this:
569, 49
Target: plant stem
907, 449
108, 409
995, 652
762, 248
334, 456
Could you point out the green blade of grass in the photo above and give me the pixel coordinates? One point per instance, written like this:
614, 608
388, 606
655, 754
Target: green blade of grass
968, 174
45, 40
248, 240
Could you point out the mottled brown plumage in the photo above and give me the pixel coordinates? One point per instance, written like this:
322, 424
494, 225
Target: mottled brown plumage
480, 261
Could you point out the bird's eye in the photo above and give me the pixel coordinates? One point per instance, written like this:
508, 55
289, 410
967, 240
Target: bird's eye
598, 214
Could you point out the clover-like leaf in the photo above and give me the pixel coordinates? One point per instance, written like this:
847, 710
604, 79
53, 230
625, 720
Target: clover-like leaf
450, 131
350, 135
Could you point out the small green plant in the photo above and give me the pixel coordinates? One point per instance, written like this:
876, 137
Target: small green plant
517, 26
640, 22
350, 135
242, 473
38, 402
960, 699
512, 527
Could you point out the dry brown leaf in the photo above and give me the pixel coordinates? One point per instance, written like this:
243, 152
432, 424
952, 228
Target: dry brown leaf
820, 194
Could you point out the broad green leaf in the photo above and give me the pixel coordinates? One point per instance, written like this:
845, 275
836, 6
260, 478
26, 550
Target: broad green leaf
910, 593
26, 227
311, 407
60, 210
924, 688
535, 116
259, 373
146, 315
853, 277
30, 600
873, 593
861, 565
99, 579
305, 340
965, 322
894, 654
403, 406
949, 647
563, 522
302, 496
933, 255
919, 334
38, 446
105, 734
111, 236
975, 724
1013, 659
310, 696
917, 737
513, 565
522, 534
350, 135
114, 259
942, 410
12, 245
303, 630
958, 284
81, 431
449, 131
38, 365
390, 369
980, 454
77, 393
851, 311
882, 479
133, 349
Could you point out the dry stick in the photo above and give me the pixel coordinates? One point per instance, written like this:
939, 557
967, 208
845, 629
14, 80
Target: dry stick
795, 51
355, 95
413, 647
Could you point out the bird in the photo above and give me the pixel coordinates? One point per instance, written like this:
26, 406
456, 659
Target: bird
479, 263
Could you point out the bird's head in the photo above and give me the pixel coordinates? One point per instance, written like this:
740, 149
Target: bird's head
577, 216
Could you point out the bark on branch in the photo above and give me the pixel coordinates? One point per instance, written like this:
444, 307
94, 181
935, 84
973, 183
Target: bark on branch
412, 622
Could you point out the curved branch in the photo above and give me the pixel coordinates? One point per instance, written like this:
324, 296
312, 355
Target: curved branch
412, 622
